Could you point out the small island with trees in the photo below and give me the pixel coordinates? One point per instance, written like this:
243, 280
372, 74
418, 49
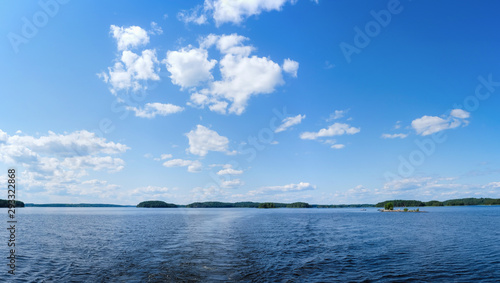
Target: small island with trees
5, 203
389, 207
156, 204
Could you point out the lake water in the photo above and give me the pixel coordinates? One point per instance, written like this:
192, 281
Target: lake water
448, 244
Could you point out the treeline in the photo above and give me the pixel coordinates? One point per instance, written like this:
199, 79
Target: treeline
218, 204
5, 203
156, 204
451, 202
287, 205
248, 204
342, 205
75, 205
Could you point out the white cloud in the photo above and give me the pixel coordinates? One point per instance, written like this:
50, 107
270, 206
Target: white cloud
153, 193
97, 163
302, 186
196, 15
393, 136
241, 74
229, 171
427, 125
208, 193
397, 125
132, 71
333, 144
95, 182
337, 114
56, 162
337, 146
231, 184
336, 129
151, 190
150, 110
3, 136
432, 188
291, 67
288, 122
130, 37
165, 156
228, 44
202, 140
459, 113
155, 29
66, 145
189, 66
236, 11
192, 166
244, 77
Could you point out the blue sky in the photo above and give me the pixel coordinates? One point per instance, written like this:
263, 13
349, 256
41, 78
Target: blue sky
319, 101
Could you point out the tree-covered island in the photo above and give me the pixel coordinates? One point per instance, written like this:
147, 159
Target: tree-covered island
156, 204
5, 203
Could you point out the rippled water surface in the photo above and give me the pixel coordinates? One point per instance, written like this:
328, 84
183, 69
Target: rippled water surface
448, 244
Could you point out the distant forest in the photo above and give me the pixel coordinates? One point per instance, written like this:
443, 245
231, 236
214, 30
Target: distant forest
397, 203
75, 205
248, 204
5, 203
451, 202
156, 204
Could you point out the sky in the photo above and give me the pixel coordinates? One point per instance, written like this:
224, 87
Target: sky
326, 102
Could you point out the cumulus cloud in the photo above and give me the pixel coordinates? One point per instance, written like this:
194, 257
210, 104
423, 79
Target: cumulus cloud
428, 125
130, 37
79, 143
459, 113
336, 129
236, 11
192, 166
288, 122
333, 144
242, 75
189, 66
291, 67
393, 136
202, 140
55, 162
229, 170
131, 70
150, 110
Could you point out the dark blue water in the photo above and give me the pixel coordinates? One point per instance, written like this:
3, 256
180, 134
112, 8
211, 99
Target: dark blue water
448, 244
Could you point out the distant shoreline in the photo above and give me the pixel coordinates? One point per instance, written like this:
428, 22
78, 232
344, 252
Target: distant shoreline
215, 204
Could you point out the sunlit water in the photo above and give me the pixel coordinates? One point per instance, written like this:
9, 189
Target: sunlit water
448, 244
